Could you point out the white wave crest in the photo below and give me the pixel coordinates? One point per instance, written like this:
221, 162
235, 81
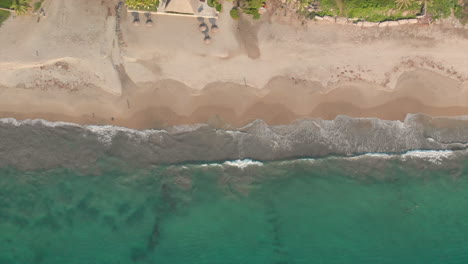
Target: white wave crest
434, 156
207, 165
10, 121
370, 156
185, 128
378, 155
14, 122
242, 164
107, 133
307, 160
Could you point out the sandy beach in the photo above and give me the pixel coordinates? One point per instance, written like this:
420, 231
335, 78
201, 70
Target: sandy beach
72, 66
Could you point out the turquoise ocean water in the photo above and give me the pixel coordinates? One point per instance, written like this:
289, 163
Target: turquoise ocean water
332, 210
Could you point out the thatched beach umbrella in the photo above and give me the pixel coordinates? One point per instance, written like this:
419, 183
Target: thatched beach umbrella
207, 40
149, 23
214, 28
202, 27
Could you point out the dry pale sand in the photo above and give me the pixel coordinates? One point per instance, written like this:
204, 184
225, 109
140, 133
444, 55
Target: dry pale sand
69, 67
74, 46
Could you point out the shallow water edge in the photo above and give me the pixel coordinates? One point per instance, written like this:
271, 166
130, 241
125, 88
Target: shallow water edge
39, 144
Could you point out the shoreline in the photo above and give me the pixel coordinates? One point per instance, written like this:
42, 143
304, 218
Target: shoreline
228, 105
39, 144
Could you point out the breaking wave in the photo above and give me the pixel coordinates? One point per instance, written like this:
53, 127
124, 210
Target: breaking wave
34, 144
242, 163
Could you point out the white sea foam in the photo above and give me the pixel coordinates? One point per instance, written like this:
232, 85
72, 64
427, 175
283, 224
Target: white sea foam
233, 133
434, 156
43, 122
107, 133
49, 124
306, 160
264, 134
370, 156
10, 121
378, 155
242, 164
207, 165
185, 128
298, 161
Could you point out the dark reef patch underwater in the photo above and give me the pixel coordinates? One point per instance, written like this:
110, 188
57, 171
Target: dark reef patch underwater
102, 205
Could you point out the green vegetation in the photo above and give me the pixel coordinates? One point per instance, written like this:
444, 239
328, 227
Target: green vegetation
3, 16
150, 5
21, 7
37, 5
328, 8
5, 3
384, 10
444, 8
404, 3
215, 4
234, 13
381, 10
252, 7
462, 12
441, 8
369, 10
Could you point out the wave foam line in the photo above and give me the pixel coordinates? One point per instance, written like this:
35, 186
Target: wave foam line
434, 156
105, 133
242, 164
282, 138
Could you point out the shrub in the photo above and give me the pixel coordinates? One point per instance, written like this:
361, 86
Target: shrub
5, 3
215, 4
251, 7
461, 12
442, 8
3, 16
328, 8
219, 7
234, 13
21, 7
37, 5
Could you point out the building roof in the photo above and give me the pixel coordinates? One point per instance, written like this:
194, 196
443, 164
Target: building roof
182, 6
